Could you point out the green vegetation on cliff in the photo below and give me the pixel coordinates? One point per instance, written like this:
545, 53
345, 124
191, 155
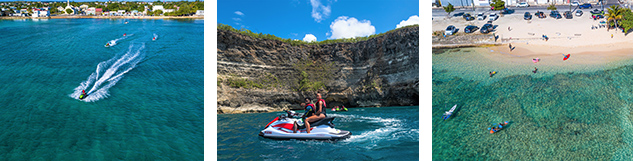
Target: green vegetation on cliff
313, 76
300, 42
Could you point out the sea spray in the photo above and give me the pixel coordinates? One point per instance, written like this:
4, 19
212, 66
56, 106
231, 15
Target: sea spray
102, 80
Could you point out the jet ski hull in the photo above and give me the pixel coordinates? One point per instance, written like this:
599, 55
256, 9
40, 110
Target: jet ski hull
282, 129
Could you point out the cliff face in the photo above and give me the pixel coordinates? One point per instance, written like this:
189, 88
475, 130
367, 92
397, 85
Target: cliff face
382, 71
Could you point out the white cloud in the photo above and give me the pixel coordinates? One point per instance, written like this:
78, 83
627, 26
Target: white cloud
411, 21
319, 11
344, 27
239, 13
237, 19
309, 38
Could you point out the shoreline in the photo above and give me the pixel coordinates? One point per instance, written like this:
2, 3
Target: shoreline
106, 17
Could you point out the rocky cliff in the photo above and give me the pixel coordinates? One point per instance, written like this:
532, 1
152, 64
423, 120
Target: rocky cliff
262, 75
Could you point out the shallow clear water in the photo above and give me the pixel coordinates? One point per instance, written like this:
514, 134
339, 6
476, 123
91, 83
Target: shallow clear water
571, 115
148, 106
386, 133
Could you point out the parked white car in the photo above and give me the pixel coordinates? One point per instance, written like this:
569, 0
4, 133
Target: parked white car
523, 4
481, 16
450, 30
493, 16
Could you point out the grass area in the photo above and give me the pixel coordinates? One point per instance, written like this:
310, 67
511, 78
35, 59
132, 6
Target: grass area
301, 42
313, 75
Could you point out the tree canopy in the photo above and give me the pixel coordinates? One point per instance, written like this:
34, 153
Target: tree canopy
449, 9
498, 4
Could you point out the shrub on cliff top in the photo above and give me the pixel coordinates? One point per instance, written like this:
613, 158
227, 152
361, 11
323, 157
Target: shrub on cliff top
300, 42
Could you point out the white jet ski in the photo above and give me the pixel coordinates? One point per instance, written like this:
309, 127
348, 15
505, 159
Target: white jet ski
282, 128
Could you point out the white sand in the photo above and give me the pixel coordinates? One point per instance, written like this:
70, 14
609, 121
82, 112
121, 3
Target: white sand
590, 50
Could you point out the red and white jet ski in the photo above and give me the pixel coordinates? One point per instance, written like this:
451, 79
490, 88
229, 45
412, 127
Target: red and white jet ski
282, 128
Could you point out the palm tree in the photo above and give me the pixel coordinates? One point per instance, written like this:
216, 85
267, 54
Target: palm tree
615, 14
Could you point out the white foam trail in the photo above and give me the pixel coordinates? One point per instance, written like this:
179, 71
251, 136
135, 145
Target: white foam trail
101, 80
113, 42
390, 125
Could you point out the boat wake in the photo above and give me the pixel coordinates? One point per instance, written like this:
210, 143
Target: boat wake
113, 42
390, 128
108, 73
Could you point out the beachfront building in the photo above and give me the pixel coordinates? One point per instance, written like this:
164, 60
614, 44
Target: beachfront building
83, 7
158, 7
200, 13
98, 11
41, 13
168, 10
135, 13
60, 8
91, 11
68, 6
120, 13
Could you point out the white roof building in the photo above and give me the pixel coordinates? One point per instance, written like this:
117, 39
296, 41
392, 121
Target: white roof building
200, 13
158, 7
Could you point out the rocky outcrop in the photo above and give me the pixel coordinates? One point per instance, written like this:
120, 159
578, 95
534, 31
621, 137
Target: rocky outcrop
381, 71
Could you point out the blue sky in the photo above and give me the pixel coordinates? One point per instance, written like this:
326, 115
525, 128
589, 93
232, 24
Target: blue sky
324, 19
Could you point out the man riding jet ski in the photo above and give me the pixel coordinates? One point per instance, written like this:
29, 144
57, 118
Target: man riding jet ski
83, 94
286, 127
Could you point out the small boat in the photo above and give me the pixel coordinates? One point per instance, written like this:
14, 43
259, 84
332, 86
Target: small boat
154, 39
536, 60
448, 113
565, 57
124, 34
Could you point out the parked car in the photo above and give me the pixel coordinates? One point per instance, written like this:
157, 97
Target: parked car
487, 28
470, 29
578, 13
523, 4
527, 16
575, 3
507, 11
585, 5
450, 30
540, 14
597, 12
555, 14
468, 17
493, 16
481, 16
568, 15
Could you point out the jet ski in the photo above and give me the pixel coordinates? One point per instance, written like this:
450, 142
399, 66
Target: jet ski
154, 39
107, 45
282, 128
83, 95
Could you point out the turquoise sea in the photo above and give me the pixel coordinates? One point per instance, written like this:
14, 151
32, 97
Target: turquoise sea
145, 97
386, 133
573, 115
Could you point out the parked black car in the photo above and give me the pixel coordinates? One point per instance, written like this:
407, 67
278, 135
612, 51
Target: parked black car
470, 29
540, 14
468, 17
507, 11
527, 16
555, 14
487, 28
568, 15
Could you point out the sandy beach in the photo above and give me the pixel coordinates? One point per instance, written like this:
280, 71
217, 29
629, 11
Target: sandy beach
589, 49
110, 17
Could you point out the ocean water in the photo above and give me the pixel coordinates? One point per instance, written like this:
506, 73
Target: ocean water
566, 114
145, 97
386, 133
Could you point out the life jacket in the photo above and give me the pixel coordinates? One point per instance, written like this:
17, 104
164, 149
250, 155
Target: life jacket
311, 112
324, 106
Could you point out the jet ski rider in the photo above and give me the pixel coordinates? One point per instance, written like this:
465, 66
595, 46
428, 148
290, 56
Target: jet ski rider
309, 108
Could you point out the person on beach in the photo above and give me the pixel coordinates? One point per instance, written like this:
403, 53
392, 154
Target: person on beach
612, 36
510, 45
509, 29
534, 71
492, 73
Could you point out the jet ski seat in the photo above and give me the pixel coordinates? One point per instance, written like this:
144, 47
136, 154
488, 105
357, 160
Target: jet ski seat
324, 121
